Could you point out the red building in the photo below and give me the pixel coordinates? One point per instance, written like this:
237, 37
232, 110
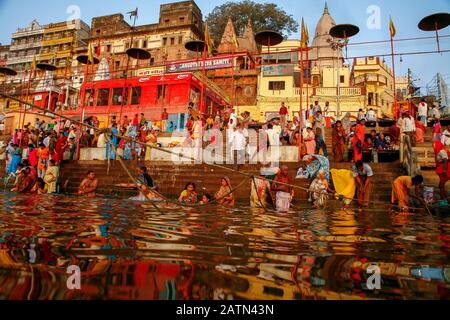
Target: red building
148, 95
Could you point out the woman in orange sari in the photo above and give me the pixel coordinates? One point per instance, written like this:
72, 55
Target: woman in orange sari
225, 196
358, 140
420, 131
400, 190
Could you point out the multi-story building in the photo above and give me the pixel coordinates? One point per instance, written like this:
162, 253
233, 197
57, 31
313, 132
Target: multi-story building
375, 76
59, 42
279, 79
178, 23
4, 51
25, 44
53, 43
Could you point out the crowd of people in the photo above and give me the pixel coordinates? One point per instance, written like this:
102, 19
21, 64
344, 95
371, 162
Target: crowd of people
36, 152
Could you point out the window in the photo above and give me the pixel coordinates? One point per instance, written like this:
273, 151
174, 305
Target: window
370, 99
167, 21
172, 41
117, 65
342, 79
180, 40
97, 31
144, 44
276, 85
102, 97
117, 96
162, 91
135, 95
164, 41
108, 48
152, 61
89, 98
181, 19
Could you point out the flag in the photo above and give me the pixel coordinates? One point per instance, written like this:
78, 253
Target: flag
234, 40
208, 41
99, 48
91, 54
392, 28
33, 66
305, 35
133, 13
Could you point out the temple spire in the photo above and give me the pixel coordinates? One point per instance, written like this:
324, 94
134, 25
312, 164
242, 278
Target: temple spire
325, 10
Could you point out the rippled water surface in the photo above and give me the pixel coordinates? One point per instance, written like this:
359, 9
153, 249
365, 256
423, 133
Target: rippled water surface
130, 250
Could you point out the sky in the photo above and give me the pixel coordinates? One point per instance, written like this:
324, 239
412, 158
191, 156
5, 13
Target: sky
372, 17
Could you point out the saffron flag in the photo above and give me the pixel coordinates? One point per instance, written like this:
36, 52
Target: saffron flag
91, 54
392, 28
33, 66
305, 35
235, 42
208, 41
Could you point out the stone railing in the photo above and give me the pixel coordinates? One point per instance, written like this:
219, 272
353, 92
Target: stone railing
274, 154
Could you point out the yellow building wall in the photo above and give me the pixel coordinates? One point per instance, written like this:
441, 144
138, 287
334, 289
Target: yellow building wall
330, 76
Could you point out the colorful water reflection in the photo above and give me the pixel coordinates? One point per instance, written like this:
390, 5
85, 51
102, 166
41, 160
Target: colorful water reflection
128, 250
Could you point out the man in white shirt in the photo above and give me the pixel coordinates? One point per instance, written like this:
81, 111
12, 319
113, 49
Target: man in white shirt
46, 141
276, 127
423, 111
238, 144
445, 137
434, 113
273, 136
409, 127
371, 116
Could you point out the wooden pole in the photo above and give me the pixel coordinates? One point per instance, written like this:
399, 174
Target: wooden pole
202, 98
393, 75
83, 98
300, 123
26, 97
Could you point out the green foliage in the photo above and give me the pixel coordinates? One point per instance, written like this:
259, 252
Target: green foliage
264, 16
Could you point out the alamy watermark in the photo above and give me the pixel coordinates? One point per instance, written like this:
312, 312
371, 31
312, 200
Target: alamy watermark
374, 280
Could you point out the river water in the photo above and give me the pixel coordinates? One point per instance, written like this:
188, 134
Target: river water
131, 250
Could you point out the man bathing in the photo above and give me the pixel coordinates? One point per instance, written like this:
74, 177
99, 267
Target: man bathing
89, 185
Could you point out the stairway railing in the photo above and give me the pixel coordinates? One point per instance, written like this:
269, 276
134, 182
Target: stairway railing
408, 156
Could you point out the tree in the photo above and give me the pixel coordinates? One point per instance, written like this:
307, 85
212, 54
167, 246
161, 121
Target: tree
264, 16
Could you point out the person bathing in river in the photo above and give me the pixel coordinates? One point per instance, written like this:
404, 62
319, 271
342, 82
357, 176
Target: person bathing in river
89, 185
284, 193
319, 189
259, 191
363, 174
401, 187
225, 196
188, 195
206, 198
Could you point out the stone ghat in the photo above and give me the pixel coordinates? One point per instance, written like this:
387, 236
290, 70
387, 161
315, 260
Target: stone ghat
171, 178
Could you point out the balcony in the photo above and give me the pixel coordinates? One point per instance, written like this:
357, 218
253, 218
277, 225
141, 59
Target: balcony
25, 46
344, 92
371, 78
57, 55
56, 41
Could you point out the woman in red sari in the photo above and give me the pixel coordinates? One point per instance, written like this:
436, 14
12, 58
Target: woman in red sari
61, 146
442, 168
420, 131
358, 140
338, 141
